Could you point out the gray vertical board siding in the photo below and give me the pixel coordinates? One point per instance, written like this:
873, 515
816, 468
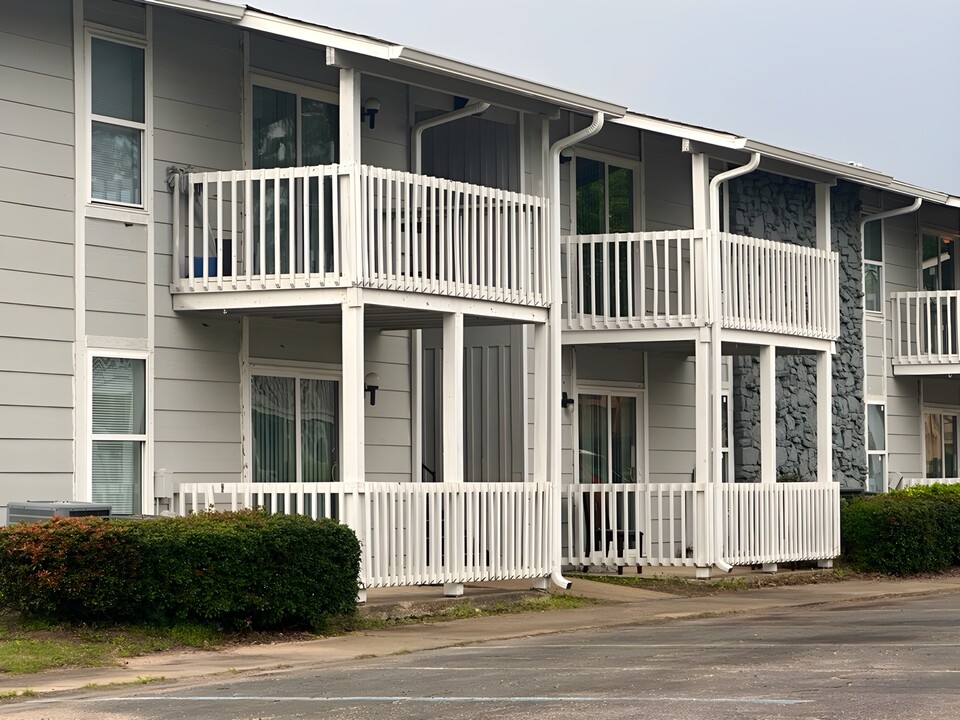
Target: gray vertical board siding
36, 263
294, 60
672, 418
668, 189
387, 145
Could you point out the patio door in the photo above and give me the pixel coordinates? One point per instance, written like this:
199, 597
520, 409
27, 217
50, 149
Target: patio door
292, 127
609, 437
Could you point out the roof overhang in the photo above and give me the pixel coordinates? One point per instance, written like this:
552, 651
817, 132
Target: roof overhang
210, 8
409, 57
813, 167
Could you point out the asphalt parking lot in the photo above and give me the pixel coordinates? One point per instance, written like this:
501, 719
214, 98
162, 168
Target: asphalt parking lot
887, 658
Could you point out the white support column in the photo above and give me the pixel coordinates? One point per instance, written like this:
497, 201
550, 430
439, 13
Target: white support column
354, 398
701, 191
768, 422
350, 117
768, 414
452, 397
453, 413
823, 216
353, 406
824, 417
703, 355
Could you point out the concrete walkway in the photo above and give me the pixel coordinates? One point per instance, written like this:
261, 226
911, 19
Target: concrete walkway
628, 606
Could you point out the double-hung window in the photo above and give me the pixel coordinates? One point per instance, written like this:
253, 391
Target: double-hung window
295, 428
119, 432
117, 121
876, 448
873, 266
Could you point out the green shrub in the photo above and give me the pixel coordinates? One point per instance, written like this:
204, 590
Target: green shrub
904, 532
245, 569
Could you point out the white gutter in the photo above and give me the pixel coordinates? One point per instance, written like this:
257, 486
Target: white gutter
210, 8
416, 133
717, 351
554, 368
913, 207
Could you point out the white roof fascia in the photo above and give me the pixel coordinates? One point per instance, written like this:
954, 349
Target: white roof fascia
211, 8
447, 66
865, 176
689, 132
400, 54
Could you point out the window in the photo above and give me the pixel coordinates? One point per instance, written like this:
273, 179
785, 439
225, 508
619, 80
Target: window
605, 203
940, 444
295, 422
117, 121
608, 438
873, 266
291, 128
876, 448
119, 433
937, 261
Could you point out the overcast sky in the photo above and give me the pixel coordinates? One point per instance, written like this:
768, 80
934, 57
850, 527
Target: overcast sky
871, 81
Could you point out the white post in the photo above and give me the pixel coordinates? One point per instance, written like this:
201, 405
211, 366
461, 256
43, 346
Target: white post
354, 397
541, 341
701, 191
702, 464
823, 216
452, 413
824, 417
768, 422
350, 117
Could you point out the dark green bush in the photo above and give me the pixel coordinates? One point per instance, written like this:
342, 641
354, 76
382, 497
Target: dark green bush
246, 569
904, 532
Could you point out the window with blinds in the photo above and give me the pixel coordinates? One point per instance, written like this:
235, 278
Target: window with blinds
118, 424
118, 122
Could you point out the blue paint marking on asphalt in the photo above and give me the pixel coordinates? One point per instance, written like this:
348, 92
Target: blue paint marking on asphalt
433, 699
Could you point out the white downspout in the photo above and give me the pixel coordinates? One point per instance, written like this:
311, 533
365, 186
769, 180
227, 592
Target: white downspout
416, 336
416, 132
715, 341
554, 365
889, 214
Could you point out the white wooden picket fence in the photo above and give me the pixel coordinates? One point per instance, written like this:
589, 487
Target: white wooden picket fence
427, 533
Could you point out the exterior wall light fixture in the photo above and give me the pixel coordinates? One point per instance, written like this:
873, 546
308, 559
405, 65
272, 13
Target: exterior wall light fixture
371, 107
371, 383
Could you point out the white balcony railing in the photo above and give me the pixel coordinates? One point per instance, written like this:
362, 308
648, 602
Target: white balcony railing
665, 279
779, 287
413, 533
334, 225
428, 235
780, 522
635, 280
925, 330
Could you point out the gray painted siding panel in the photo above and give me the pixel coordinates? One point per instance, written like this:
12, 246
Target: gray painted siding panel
36, 56
114, 296
671, 420
122, 15
668, 185
36, 390
112, 324
36, 259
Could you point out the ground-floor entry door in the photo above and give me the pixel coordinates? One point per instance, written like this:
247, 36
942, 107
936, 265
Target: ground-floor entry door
493, 401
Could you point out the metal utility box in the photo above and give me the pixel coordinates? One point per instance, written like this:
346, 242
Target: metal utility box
34, 511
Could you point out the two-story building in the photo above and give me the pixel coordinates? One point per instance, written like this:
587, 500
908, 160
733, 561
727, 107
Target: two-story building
251, 261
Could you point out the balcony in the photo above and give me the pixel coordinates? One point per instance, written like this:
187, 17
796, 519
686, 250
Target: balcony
312, 229
666, 280
926, 339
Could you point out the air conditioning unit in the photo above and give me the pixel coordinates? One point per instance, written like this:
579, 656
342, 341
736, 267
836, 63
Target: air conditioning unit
34, 511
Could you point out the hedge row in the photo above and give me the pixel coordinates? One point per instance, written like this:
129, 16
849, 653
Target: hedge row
244, 569
904, 532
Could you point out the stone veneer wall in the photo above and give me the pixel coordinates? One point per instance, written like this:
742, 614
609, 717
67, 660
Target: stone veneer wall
778, 208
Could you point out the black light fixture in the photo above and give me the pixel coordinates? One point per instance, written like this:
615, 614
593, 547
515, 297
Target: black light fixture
566, 402
370, 108
371, 383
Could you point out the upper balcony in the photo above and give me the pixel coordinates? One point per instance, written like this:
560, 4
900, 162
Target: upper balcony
298, 236
667, 280
926, 337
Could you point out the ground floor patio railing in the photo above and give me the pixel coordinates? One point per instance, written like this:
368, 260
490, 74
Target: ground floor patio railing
413, 533
431, 533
